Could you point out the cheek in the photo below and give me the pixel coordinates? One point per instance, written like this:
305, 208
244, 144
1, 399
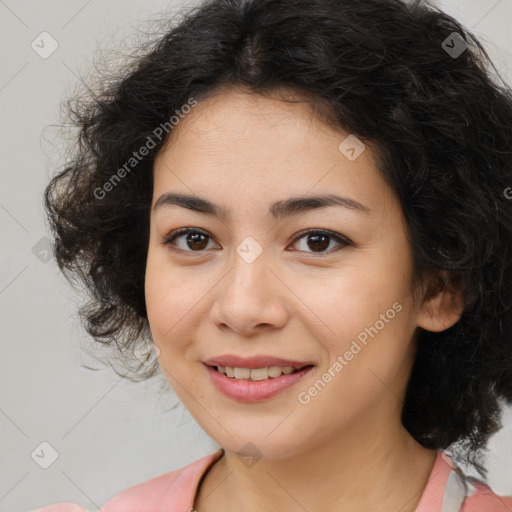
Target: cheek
374, 323
368, 344
175, 301
368, 309
166, 298
354, 296
168, 289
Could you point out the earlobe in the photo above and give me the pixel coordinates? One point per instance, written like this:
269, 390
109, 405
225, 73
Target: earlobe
442, 306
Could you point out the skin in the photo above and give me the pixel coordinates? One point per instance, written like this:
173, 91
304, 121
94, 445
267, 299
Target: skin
346, 449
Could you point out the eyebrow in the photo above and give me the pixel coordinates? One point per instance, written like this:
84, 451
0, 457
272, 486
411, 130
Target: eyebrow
278, 210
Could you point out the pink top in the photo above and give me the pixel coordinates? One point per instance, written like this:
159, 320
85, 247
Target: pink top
447, 490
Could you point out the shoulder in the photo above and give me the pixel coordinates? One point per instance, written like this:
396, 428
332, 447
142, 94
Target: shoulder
476, 495
168, 492
172, 491
61, 507
450, 490
481, 498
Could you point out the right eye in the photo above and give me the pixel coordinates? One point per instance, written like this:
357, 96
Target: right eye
195, 240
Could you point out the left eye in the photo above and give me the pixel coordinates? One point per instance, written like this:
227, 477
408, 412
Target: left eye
196, 240
321, 239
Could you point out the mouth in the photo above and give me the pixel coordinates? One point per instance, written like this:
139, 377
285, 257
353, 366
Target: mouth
256, 379
256, 362
257, 374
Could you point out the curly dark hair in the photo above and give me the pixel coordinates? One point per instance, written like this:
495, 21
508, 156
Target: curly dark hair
441, 125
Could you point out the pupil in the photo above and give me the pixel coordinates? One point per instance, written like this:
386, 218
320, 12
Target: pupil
193, 238
321, 241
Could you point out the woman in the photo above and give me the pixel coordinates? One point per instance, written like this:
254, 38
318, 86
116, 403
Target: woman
305, 204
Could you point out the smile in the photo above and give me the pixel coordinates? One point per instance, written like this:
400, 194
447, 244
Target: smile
254, 384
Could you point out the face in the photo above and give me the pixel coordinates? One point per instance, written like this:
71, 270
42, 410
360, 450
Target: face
326, 288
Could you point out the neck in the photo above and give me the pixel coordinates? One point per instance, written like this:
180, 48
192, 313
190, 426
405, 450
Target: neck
377, 468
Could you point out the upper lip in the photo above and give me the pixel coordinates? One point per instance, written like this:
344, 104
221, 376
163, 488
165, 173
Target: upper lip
260, 361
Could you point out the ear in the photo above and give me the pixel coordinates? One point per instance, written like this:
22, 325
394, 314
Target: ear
442, 305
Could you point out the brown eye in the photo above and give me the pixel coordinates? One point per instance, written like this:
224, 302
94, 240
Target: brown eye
316, 241
319, 241
193, 240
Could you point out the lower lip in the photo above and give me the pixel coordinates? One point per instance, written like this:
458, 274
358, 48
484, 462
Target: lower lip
253, 390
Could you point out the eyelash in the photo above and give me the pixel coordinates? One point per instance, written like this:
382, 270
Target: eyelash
173, 235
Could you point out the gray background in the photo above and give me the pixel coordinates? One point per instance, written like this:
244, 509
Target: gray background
108, 434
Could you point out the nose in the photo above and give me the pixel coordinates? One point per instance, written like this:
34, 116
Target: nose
251, 298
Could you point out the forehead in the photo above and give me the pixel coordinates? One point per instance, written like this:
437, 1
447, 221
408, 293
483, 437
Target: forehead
247, 147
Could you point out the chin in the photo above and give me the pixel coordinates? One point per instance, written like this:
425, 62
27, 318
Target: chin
261, 445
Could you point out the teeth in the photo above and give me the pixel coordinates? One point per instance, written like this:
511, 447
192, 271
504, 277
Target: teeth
255, 373
259, 373
274, 371
242, 373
